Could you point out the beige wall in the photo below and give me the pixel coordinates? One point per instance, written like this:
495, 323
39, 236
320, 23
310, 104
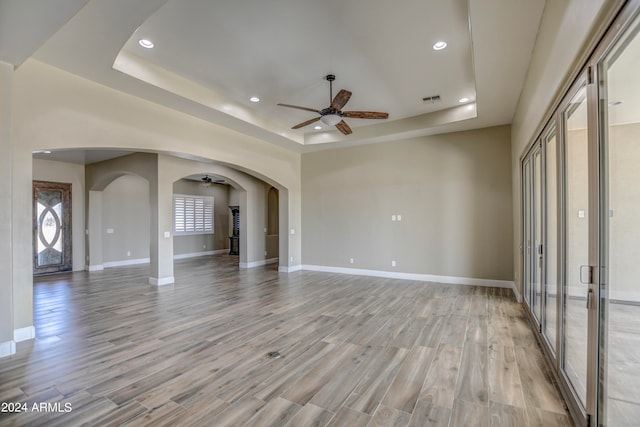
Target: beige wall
125, 220
453, 192
46, 170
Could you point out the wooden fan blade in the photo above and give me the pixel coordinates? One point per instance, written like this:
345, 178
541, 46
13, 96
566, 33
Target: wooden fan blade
300, 108
340, 99
365, 115
344, 127
303, 124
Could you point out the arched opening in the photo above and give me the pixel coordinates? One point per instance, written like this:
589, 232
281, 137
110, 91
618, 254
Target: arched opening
201, 215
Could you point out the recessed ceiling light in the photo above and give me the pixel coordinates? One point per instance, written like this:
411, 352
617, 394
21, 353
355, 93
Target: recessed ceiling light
317, 127
465, 99
439, 45
145, 43
254, 99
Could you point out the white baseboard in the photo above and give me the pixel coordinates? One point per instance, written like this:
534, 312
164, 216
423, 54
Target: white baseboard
7, 348
291, 269
516, 293
24, 334
126, 262
161, 281
413, 276
260, 263
199, 254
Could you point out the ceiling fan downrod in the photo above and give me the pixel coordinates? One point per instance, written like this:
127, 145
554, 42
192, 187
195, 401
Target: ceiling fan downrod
330, 78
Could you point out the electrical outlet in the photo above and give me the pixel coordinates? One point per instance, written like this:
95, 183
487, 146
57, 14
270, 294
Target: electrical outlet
204, 246
350, 260
393, 217
399, 217
291, 259
128, 253
393, 263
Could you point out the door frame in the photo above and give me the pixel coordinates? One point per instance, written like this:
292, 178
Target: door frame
67, 250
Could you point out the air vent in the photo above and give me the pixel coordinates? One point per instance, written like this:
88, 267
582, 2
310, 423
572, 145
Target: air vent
432, 99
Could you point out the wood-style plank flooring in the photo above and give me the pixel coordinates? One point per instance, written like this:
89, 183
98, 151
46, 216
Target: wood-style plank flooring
354, 351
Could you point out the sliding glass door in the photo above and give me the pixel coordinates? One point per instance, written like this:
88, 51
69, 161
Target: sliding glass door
581, 232
533, 267
550, 231
619, 101
575, 286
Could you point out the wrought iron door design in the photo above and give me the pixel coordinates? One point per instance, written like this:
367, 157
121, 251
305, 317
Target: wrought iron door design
51, 227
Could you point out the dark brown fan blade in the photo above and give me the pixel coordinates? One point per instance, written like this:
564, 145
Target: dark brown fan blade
365, 115
340, 99
300, 108
344, 127
303, 124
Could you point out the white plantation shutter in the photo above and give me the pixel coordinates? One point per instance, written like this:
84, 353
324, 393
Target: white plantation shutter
192, 214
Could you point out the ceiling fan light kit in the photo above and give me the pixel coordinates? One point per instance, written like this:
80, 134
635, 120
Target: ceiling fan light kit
331, 119
333, 115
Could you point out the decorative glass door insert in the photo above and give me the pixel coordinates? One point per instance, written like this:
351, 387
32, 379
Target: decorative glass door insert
51, 227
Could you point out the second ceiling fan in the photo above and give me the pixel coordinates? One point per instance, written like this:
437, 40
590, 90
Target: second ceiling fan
333, 114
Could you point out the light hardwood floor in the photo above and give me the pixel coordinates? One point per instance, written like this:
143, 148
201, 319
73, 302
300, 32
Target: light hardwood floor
354, 351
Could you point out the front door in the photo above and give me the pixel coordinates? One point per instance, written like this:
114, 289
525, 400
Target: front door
51, 227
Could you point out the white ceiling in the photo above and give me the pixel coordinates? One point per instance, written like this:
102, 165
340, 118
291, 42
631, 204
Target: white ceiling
213, 55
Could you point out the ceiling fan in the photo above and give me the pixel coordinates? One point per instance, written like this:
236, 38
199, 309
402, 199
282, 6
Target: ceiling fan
333, 114
208, 181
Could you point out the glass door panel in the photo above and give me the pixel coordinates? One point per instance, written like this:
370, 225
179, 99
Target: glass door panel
550, 322
576, 235
51, 227
620, 233
536, 223
526, 197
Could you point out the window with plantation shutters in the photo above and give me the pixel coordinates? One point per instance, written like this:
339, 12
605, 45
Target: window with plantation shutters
192, 214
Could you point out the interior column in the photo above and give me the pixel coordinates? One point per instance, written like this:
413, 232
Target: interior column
7, 345
94, 241
161, 222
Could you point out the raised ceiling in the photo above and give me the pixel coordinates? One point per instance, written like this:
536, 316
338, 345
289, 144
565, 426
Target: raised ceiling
210, 57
